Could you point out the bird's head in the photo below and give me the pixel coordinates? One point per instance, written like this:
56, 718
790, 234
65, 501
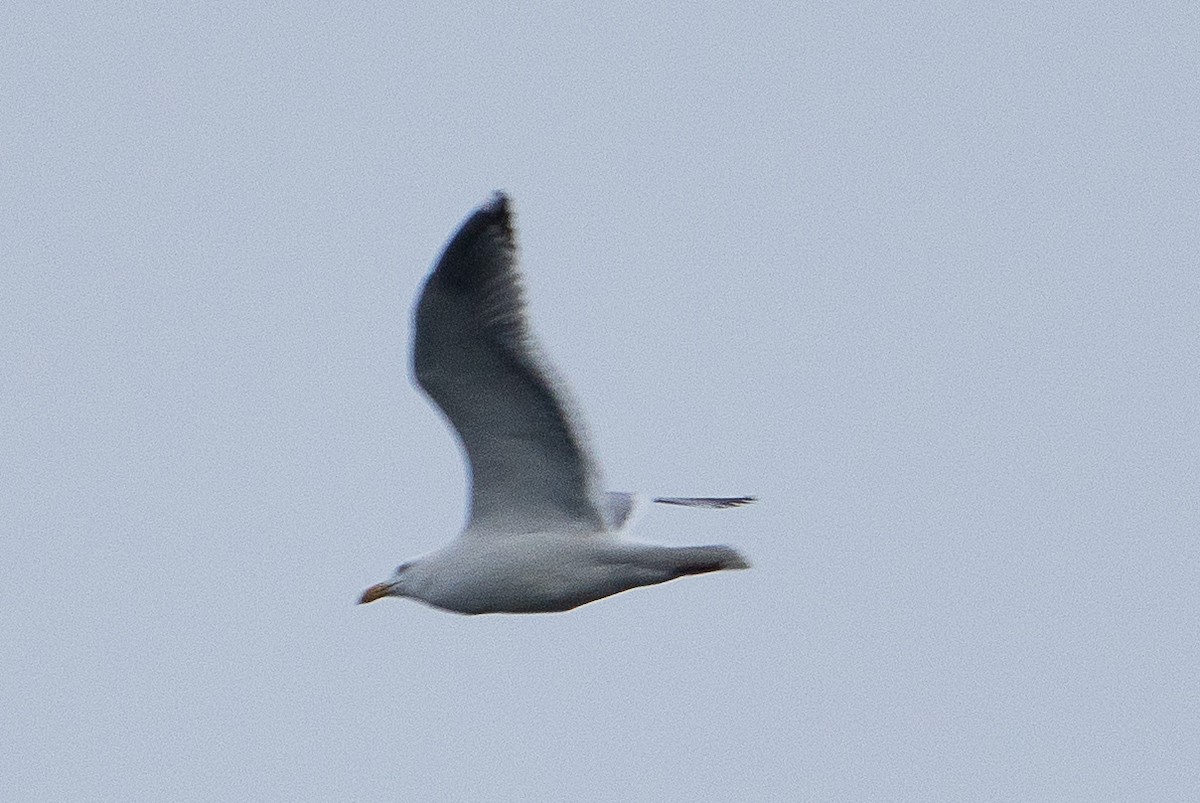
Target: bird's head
397, 586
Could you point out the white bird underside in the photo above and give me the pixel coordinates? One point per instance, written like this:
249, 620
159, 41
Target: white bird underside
540, 536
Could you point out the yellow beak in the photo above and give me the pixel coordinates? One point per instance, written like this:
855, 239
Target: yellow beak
377, 591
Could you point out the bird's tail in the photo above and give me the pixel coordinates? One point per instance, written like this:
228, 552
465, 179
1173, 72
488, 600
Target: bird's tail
702, 559
678, 561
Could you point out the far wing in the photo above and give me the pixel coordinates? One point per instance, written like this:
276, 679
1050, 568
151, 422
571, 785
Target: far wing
474, 357
716, 503
617, 507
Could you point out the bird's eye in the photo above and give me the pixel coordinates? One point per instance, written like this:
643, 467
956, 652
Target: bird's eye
402, 568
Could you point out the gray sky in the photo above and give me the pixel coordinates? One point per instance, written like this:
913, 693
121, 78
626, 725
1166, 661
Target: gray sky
924, 279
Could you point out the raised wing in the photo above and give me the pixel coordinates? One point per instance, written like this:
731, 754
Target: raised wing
474, 356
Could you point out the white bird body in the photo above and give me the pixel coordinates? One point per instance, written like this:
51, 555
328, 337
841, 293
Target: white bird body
540, 536
548, 572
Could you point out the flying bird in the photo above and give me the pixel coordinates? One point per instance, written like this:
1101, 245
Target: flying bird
540, 536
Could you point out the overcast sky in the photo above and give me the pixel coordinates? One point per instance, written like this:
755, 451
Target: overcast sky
922, 278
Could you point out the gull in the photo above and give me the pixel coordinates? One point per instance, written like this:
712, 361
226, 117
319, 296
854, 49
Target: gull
539, 537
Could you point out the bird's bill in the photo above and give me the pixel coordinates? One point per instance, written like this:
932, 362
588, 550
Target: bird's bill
377, 591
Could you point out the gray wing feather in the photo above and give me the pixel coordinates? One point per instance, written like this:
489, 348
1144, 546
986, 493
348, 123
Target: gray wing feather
475, 358
617, 507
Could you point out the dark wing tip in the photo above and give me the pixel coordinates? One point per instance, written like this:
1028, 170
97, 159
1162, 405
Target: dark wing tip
497, 204
497, 213
482, 247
